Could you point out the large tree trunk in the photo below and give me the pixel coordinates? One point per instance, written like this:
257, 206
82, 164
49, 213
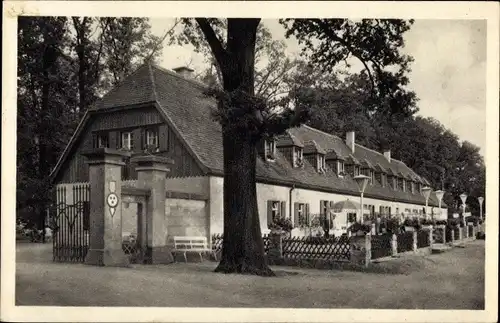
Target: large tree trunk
243, 247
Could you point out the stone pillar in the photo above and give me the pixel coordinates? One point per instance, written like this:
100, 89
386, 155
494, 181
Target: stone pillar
431, 236
460, 233
105, 239
361, 250
394, 245
151, 172
474, 232
415, 246
443, 230
452, 235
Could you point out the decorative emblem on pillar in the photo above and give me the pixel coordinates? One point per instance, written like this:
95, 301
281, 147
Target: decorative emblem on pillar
112, 198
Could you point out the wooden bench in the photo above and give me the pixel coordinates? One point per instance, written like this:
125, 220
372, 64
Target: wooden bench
186, 244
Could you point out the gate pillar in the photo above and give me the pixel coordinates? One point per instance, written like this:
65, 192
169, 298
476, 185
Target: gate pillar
105, 243
151, 172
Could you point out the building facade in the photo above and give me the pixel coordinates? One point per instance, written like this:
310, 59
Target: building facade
301, 174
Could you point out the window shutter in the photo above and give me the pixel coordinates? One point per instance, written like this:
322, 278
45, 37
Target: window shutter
114, 141
283, 209
136, 142
295, 214
143, 139
94, 141
308, 220
269, 212
163, 137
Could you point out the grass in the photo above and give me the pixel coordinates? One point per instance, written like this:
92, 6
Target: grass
452, 280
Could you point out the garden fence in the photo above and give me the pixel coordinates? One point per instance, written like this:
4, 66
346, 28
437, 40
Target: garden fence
381, 246
405, 242
423, 238
333, 249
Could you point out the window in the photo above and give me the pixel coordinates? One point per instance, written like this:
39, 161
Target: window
321, 163
340, 168
394, 183
372, 176
298, 157
275, 210
152, 138
301, 217
403, 184
356, 170
413, 187
270, 149
127, 140
100, 140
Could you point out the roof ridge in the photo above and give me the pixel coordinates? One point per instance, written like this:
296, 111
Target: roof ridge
153, 83
382, 154
171, 73
321, 131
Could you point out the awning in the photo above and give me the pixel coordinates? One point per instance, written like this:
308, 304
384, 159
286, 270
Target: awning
345, 205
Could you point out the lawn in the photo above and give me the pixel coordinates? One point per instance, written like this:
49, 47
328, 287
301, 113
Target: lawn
452, 280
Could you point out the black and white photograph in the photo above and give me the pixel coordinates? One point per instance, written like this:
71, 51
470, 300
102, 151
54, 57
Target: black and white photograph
222, 166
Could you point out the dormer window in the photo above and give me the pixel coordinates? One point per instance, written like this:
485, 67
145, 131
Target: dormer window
270, 149
340, 168
298, 158
321, 163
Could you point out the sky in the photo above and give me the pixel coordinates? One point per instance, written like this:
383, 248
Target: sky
448, 74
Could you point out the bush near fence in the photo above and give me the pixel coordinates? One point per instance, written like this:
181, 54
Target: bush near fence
381, 246
438, 235
405, 241
456, 233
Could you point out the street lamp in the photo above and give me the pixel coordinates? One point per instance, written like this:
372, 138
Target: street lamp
362, 181
481, 200
463, 197
439, 195
427, 192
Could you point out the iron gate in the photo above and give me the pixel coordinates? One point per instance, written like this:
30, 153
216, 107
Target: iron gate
70, 224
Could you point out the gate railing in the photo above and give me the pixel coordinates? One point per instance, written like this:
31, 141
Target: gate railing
70, 223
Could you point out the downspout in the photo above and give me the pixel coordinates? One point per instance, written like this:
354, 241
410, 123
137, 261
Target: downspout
290, 199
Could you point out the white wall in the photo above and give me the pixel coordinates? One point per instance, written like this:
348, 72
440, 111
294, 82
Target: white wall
267, 192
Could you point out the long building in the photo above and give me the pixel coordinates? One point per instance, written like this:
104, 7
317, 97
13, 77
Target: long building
300, 174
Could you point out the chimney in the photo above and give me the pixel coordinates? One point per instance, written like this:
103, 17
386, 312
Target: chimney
387, 155
184, 71
350, 140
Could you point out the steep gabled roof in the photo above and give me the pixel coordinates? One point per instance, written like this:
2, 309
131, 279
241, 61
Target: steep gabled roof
311, 147
187, 109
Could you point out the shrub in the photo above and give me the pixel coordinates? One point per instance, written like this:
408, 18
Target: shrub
441, 222
281, 224
392, 225
365, 228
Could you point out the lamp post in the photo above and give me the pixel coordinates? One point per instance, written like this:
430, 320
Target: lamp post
481, 200
427, 193
463, 197
362, 181
439, 195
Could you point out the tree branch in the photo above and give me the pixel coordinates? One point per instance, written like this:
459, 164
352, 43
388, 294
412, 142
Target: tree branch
158, 43
214, 42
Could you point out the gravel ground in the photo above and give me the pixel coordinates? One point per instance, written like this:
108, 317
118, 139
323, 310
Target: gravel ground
452, 280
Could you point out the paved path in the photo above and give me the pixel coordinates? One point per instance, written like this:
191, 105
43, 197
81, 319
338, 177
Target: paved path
452, 280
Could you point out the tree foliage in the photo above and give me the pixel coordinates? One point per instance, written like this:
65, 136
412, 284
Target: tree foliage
64, 65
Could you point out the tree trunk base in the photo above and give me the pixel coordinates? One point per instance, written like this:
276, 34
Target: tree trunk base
244, 269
